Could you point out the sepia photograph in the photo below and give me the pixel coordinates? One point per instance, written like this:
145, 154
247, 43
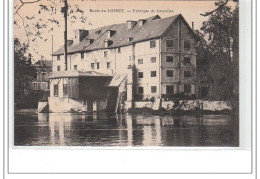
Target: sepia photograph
126, 73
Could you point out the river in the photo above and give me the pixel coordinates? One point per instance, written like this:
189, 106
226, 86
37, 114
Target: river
65, 129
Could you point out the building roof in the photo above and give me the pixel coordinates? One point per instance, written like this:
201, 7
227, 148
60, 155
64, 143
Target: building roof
152, 28
116, 80
43, 63
67, 74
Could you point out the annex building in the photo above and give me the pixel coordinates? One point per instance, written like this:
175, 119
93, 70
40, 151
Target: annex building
147, 59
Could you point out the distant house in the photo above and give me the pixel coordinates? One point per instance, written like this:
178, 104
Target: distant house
139, 60
41, 83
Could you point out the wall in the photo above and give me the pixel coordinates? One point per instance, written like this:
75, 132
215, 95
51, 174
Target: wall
178, 73
143, 51
60, 83
119, 60
188, 105
60, 105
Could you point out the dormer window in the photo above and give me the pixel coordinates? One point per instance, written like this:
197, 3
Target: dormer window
130, 24
110, 33
79, 35
98, 32
89, 41
141, 22
108, 43
129, 39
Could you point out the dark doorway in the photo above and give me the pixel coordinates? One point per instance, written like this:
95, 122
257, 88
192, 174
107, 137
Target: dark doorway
112, 99
204, 92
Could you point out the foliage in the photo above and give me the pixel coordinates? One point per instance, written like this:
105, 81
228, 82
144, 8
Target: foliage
24, 70
48, 17
218, 53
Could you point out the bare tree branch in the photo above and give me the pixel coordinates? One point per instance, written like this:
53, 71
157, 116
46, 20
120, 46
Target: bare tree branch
23, 3
219, 7
27, 34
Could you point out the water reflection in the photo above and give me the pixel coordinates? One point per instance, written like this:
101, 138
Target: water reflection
124, 130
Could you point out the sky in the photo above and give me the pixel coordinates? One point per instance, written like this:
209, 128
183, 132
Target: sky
100, 13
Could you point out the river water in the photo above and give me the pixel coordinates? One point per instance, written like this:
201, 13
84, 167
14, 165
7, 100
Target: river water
124, 130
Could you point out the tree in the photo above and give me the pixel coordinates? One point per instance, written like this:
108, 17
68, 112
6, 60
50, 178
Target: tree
48, 17
220, 4
24, 70
220, 33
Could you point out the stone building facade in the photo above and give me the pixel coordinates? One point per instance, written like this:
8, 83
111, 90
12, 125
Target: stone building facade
140, 60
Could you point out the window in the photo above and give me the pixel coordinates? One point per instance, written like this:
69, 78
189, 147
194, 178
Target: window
140, 74
169, 73
119, 50
35, 86
140, 90
186, 60
82, 55
58, 58
169, 43
186, 45
140, 61
108, 65
130, 58
153, 89
152, 44
58, 68
169, 58
56, 90
75, 67
169, 89
92, 66
187, 74
153, 73
65, 89
105, 54
44, 76
98, 66
153, 59
187, 88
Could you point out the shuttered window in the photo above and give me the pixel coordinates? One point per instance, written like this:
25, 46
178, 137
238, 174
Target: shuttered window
153, 73
169, 73
152, 44
169, 89
140, 61
153, 59
140, 90
153, 89
65, 89
187, 88
56, 90
186, 45
186, 60
82, 55
187, 74
169, 43
169, 58
140, 74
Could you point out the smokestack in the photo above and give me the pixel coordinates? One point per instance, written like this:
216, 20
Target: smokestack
193, 26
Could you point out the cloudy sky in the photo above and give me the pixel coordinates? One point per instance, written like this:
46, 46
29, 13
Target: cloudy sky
99, 13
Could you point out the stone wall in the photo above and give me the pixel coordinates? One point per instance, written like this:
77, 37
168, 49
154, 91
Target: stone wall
188, 105
59, 105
